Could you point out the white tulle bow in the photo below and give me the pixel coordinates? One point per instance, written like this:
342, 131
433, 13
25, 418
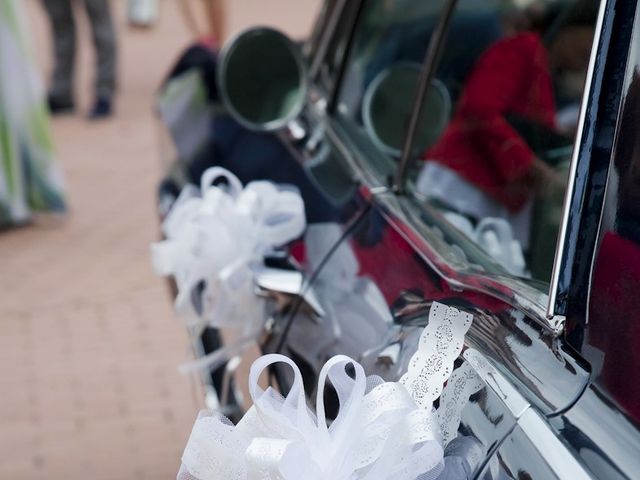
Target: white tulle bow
215, 236
378, 434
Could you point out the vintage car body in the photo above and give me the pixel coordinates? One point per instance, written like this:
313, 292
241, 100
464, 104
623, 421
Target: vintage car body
565, 402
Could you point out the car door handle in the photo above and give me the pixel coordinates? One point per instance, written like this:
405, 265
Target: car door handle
390, 355
281, 283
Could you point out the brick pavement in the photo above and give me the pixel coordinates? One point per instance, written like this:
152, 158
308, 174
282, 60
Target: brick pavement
88, 344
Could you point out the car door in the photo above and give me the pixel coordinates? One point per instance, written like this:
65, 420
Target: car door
406, 252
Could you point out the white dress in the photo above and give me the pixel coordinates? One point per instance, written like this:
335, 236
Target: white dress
30, 179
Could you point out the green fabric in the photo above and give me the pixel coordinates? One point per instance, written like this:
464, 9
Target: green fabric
30, 180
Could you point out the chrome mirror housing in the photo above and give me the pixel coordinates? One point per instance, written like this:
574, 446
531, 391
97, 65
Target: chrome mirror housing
262, 79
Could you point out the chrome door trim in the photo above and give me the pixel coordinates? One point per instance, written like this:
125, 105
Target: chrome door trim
493, 379
555, 453
533, 425
566, 211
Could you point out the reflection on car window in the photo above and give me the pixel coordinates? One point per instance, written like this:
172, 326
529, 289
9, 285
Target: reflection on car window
377, 93
498, 170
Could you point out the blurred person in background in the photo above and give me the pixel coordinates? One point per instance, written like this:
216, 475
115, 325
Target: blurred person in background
30, 180
211, 31
63, 26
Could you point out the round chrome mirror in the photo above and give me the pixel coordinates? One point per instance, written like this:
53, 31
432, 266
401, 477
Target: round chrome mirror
388, 103
262, 79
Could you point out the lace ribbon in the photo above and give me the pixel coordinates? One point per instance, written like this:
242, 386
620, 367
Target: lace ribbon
378, 434
440, 344
215, 236
463, 383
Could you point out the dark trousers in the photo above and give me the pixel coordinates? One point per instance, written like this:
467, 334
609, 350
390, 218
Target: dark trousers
64, 32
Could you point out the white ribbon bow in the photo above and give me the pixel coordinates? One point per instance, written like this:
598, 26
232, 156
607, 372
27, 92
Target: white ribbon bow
378, 435
213, 239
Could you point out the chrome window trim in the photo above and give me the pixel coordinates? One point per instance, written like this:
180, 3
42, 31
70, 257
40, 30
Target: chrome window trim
511, 290
327, 35
566, 209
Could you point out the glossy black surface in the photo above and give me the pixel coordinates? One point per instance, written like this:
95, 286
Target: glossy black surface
594, 152
610, 336
516, 459
601, 436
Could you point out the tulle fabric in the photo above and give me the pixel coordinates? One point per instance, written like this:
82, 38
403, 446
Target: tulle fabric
379, 433
383, 430
215, 238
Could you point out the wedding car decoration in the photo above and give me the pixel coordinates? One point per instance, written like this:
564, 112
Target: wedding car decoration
383, 430
216, 237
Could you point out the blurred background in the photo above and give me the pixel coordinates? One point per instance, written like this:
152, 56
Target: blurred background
88, 342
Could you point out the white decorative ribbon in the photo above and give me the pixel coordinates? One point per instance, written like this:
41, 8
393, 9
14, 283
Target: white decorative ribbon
214, 238
378, 435
463, 383
440, 344
383, 431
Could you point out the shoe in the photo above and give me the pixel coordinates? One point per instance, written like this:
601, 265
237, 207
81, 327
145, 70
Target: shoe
101, 109
59, 104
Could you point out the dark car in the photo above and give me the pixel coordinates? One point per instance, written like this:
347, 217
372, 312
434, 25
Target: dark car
478, 154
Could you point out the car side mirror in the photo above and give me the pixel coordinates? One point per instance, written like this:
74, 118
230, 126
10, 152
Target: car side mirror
262, 79
389, 101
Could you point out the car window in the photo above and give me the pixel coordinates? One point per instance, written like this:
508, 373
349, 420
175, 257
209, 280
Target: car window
376, 96
497, 167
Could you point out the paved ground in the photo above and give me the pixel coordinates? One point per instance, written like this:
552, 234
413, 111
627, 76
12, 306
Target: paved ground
88, 345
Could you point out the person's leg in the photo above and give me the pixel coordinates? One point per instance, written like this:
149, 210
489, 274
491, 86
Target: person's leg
64, 40
104, 39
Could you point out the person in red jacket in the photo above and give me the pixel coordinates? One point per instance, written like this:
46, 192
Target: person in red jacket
481, 156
